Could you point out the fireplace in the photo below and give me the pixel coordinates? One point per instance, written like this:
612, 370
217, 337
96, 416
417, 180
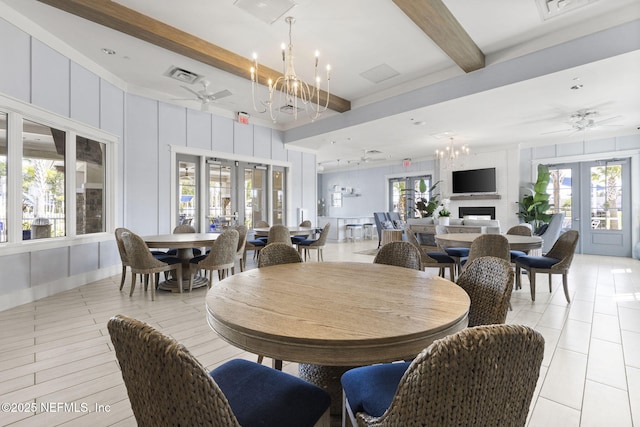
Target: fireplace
477, 211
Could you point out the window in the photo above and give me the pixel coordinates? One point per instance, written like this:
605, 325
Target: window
403, 193
43, 181
55, 177
187, 191
90, 184
277, 198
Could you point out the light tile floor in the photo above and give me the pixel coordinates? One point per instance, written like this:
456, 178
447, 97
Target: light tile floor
57, 352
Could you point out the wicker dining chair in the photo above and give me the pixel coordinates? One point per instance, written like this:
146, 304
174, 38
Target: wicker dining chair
489, 282
519, 230
399, 253
167, 386
484, 375
141, 261
222, 257
439, 260
279, 233
315, 244
242, 243
278, 253
275, 254
488, 245
123, 254
184, 229
456, 253
556, 261
299, 238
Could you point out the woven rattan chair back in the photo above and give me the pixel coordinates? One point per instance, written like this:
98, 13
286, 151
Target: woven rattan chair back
184, 229
166, 385
278, 253
425, 259
305, 223
495, 245
318, 244
123, 254
564, 249
489, 282
141, 261
242, 244
520, 230
261, 224
221, 257
279, 234
486, 374
400, 254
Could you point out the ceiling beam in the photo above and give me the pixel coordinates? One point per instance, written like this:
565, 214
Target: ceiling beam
120, 18
437, 21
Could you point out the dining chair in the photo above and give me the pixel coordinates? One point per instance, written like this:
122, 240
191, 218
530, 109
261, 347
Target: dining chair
123, 254
141, 261
262, 224
556, 261
301, 237
519, 230
278, 253
279, 233
551, 231
400, 254
184, 229
432, 259
221, 257
488, 281
315, 244
168, 386
242, 243
495, 245
485, 375
456, 253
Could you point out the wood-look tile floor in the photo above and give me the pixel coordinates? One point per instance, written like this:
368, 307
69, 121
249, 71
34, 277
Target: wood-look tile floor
57, 352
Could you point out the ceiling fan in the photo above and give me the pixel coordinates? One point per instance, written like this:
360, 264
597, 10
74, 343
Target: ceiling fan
584, 120
204, 96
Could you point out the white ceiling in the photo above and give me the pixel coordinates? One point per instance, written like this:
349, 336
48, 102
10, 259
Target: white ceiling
358, 35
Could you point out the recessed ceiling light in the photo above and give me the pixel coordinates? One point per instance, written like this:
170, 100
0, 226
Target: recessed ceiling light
108, 51
420, 123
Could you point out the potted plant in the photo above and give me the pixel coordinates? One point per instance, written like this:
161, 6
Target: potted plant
533, 207
443, 216
426, 207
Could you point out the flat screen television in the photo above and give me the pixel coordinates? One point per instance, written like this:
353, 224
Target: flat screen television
474, 181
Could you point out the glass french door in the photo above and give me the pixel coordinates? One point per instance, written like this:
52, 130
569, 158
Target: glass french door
255, 194
596, 199
222, 200
403, 193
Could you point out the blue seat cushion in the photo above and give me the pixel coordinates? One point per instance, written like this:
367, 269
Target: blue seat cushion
174, 252
537, 261
297, 239
197, 259
158, 253
262, 396
264, 239
463, 260
168, 259
306, 242
516, 254
371, 389
258, 242
457, 252
442, 258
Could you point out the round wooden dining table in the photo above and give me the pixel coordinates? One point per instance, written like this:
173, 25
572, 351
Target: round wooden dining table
294, 230
184, 243
332, 314
464, 240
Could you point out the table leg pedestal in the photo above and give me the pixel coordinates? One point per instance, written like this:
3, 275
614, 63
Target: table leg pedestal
171, 283
328, 378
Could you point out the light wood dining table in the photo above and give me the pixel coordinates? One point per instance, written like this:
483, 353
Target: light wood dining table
294, 230
333, 314
184, 243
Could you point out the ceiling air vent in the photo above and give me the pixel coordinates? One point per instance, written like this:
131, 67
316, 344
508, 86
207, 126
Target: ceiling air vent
551, 8
183, 75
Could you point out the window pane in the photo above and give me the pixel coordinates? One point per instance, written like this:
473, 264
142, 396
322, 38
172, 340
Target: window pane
187, 191
219, 195
43, 180
606, 197
90, 181
278, 196
3, 178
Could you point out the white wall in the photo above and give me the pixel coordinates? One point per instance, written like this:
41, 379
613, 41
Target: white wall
41, 77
